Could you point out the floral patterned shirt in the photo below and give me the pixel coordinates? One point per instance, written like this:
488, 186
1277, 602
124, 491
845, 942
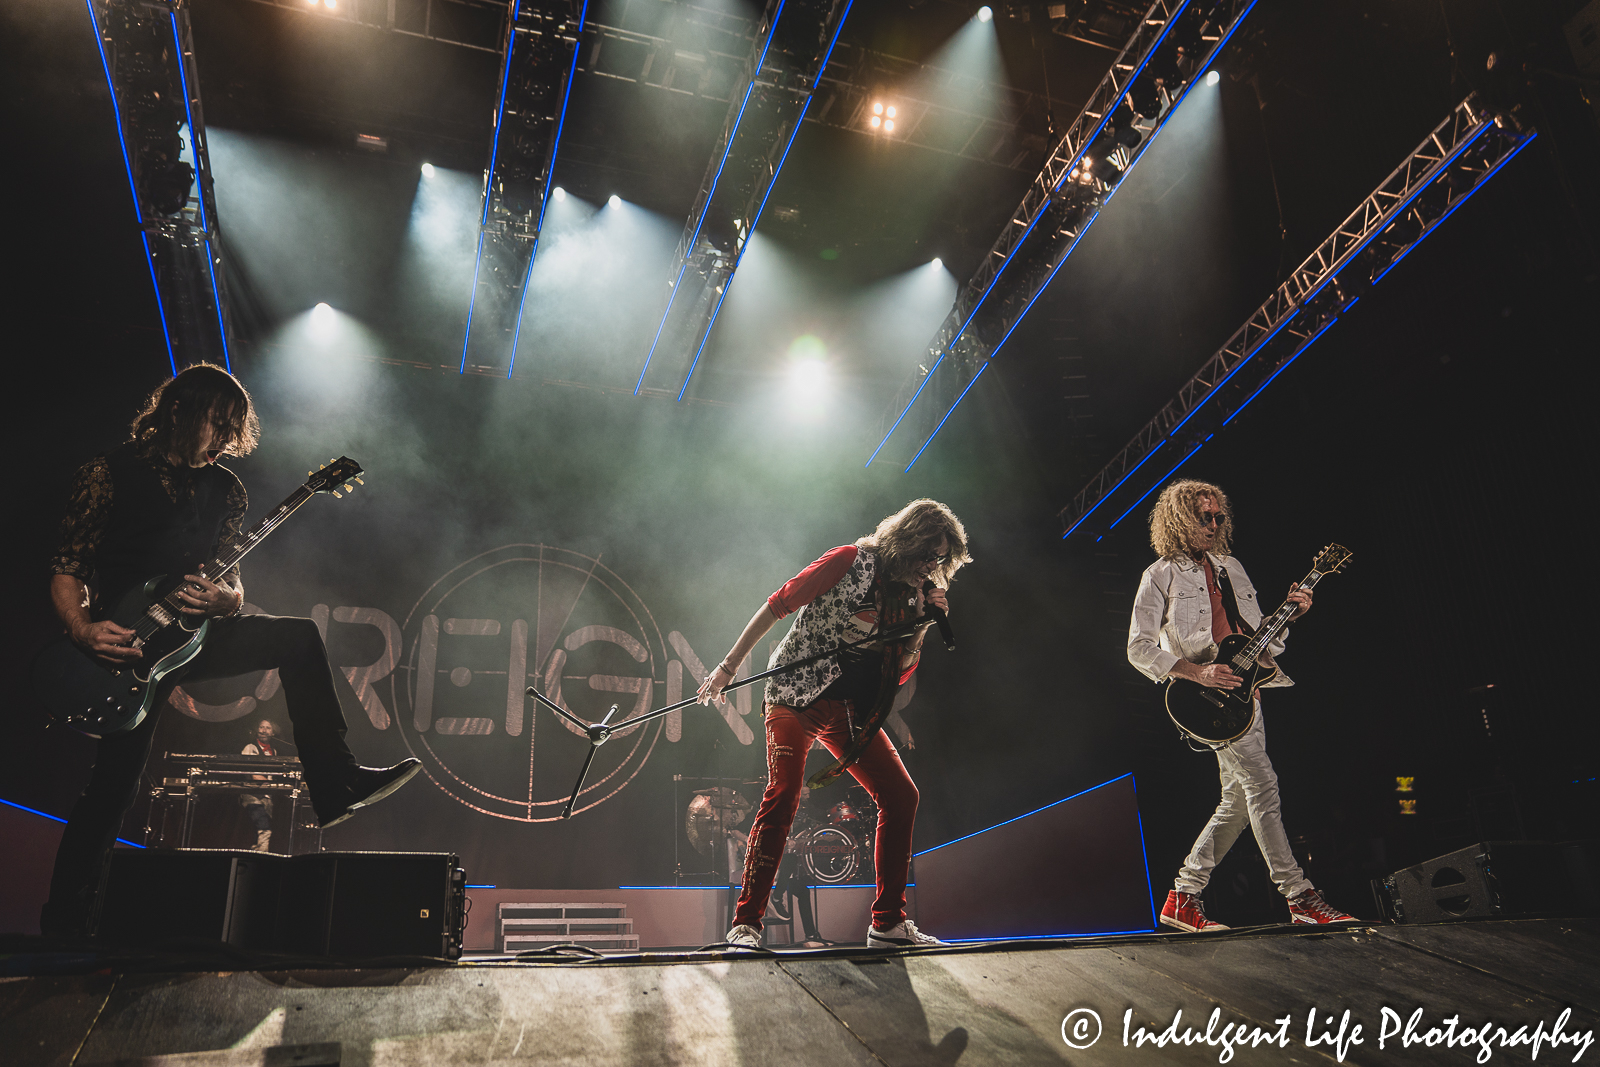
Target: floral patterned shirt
88, 515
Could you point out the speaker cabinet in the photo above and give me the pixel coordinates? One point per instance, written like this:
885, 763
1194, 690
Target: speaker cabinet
373, 904
157, 895
340, 904
1504, 879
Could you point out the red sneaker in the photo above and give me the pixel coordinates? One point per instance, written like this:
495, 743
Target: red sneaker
1309, 907
1185, 911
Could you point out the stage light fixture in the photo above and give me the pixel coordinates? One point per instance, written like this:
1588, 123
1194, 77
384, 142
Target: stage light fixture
985, 14
937, 262
876, 122
1213, 78
877, 108
560, 193
427, 170
888, 112
888, 125
332, 4
614, 200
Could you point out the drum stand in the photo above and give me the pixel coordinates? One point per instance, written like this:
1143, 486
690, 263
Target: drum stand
600, 732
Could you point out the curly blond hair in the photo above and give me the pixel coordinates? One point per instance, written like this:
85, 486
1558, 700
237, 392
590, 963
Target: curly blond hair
913, 533
1175, 520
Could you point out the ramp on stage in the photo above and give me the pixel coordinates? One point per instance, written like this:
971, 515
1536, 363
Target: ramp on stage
990, 1004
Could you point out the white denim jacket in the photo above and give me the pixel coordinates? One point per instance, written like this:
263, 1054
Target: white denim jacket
1172, 616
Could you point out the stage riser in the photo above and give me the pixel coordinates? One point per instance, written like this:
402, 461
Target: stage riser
983, 1007
688, 917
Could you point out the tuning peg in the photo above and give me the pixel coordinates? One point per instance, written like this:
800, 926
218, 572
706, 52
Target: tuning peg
360, 482
310, 473
336, 494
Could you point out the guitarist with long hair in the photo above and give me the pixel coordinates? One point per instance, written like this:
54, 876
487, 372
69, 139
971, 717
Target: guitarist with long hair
848, 594
1191, 598
160, 504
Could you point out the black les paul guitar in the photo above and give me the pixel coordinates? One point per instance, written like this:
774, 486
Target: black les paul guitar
86, 693
1217, 716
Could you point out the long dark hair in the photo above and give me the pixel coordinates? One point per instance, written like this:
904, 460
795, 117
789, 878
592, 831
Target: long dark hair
180, 407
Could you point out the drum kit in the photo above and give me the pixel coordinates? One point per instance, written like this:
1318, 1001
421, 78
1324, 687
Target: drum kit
836, 847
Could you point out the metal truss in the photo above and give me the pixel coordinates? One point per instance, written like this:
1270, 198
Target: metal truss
1127, 110
791, 49
147, 53
1452, 163
538, 59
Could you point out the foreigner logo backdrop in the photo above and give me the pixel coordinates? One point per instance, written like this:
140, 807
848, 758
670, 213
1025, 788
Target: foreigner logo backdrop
508, 618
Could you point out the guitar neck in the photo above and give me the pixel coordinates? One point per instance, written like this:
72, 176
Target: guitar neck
1269, 629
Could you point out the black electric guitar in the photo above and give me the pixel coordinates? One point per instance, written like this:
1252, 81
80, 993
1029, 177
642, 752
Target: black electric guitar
86, 693
1217, 716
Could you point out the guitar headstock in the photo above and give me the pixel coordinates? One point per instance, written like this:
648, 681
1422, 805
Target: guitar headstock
334, 475
1331, 559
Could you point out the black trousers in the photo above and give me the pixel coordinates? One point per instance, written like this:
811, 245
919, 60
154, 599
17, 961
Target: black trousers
236, 645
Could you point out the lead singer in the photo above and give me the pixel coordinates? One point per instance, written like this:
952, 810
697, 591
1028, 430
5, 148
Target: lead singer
913, 553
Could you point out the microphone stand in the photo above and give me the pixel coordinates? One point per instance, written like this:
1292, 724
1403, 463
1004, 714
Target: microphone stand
600, 732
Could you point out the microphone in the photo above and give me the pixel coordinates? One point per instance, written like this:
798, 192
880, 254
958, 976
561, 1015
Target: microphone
938, 616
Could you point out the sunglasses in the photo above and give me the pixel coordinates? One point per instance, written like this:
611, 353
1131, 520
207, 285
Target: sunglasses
1209, 517
938, 561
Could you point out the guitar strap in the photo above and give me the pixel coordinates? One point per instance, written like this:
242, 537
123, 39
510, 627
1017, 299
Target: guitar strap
1230, 603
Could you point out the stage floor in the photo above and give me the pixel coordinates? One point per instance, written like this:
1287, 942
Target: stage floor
998, 1003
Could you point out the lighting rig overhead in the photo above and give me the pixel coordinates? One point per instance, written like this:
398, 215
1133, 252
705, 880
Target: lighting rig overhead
1170, 46
147, 53
793, 45
540, 56
1452, 163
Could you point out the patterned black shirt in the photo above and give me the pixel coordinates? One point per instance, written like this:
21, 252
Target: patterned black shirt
88, 515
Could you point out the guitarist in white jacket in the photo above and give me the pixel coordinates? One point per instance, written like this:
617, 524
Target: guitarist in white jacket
1179, 617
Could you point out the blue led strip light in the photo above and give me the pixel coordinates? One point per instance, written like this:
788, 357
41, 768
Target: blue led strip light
59, 819
544, 200
1145, 852
689, 249
1003, 340
1163, 478
1035, 811
1114, 488
1172, 110
749, 233
488, 184
1307, 343
200, 192
138, 214
1434, 225
986, 365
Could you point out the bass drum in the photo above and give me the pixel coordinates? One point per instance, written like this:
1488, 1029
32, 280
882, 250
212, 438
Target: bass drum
833, 855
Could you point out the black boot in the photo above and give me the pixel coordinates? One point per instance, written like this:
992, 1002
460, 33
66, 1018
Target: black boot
362, 787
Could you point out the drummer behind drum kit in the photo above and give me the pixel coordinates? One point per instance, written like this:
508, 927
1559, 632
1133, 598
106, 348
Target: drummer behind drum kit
835, 849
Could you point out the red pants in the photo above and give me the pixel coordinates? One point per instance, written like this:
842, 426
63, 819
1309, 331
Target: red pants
789, 736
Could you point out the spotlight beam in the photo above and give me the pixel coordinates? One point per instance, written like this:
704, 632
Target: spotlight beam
755, 216
785, 62
174, 208
697, 216
1454, 161
539, 35
1072, 207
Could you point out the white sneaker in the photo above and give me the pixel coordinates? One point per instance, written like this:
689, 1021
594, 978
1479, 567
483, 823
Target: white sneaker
902, 935
744, 937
